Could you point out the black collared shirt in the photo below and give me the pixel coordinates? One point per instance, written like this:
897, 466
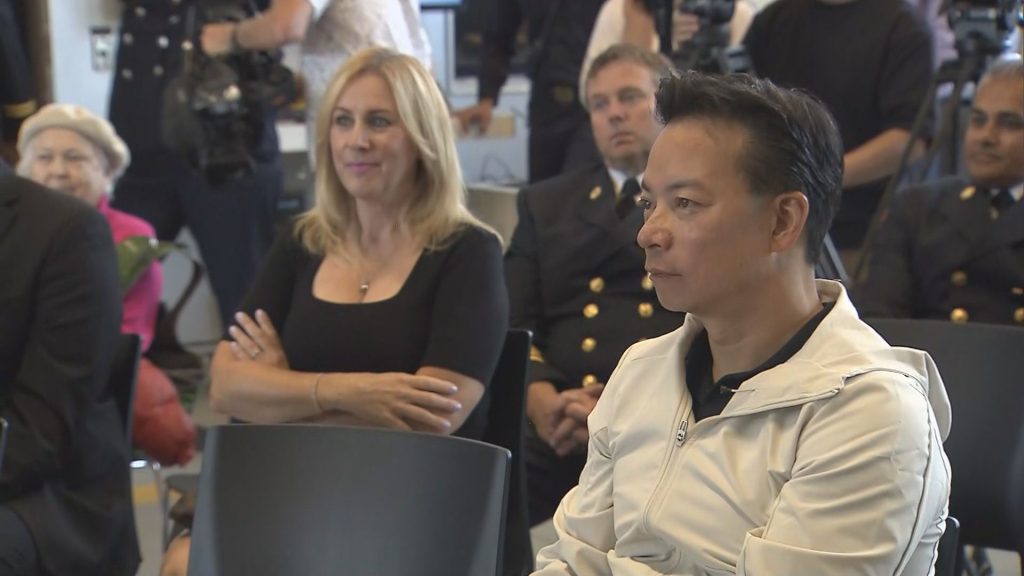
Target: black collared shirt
710, 397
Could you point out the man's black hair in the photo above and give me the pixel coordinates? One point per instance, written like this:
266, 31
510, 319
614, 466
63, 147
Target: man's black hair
792, 142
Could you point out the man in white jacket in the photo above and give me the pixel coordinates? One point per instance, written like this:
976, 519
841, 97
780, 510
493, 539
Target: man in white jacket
774, 433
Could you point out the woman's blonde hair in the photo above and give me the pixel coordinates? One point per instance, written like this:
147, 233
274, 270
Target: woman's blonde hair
438, 208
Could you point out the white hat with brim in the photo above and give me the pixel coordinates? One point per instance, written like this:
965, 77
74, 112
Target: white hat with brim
71, 117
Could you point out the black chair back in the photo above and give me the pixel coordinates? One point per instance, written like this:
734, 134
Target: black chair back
3, 441
947, 559
982, 367
124, 372
307, 499
506, 421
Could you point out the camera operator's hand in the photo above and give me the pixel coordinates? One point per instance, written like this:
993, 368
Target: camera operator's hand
216, 38
479, 115
639, 24
684, 27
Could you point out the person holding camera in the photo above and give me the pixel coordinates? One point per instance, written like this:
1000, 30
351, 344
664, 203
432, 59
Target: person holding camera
633, 22
232, 219
329, 31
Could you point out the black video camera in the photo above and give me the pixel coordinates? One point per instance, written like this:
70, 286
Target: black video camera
708, 51
216, 111
983, 27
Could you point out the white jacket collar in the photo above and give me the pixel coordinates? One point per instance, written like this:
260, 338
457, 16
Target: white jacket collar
840, 349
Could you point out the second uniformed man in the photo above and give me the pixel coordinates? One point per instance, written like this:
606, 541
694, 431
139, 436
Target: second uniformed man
954, 248
576, 274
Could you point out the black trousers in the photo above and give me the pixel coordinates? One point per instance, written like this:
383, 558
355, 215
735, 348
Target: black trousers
18, 556
560, 136
548, 477
233, 224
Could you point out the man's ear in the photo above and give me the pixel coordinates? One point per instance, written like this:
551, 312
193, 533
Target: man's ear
791, 211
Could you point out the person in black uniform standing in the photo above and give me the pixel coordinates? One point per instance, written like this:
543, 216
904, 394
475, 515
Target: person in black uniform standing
576, 275
17, 95
233, 221
954, 248
559, 31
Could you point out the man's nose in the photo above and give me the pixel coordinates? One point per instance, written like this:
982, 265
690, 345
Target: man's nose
653, 234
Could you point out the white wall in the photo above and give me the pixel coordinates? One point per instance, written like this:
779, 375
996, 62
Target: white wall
74, 79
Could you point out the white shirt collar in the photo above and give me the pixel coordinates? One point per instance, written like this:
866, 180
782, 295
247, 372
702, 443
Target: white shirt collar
618, 177
1017, 192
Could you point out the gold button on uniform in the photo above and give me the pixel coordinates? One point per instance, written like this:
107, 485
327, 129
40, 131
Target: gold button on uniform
588, 344
596, 285
590, 310
589, 380
958, 278
645, 310
1018, 315
647, 283
959, 316
595, 193
535, 355
1017, 291
967, 193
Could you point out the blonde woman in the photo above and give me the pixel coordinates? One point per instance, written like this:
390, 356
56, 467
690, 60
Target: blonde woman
385, 305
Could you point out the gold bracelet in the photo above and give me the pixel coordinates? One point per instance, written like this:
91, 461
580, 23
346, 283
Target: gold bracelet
316, 389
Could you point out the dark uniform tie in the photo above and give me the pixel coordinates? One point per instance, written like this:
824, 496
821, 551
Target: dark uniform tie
1002, 200
627, 197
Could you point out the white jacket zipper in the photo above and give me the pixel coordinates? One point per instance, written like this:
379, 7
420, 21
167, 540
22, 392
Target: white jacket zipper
681, 432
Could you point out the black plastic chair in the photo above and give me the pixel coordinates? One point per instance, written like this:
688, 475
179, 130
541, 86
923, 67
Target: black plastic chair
3, 441
124, 373
506, 421
184, 368
306, 499
982, 366
947, 562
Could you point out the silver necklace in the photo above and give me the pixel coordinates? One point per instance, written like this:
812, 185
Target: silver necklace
364, 287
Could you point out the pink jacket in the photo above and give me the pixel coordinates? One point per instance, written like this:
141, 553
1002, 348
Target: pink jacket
141, 302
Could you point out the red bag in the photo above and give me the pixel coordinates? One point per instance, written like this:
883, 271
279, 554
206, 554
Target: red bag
161, 427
